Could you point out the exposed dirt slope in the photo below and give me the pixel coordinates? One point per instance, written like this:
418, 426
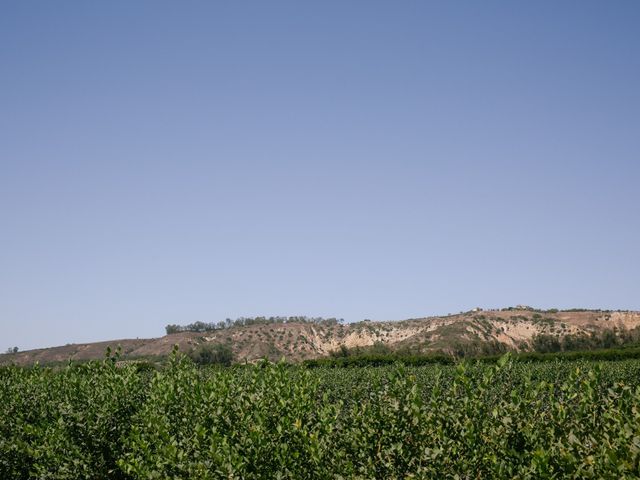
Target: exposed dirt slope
298, 341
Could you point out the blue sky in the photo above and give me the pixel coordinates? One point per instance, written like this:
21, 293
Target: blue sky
170, 162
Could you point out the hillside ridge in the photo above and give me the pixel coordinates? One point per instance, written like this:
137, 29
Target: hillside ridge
476, 331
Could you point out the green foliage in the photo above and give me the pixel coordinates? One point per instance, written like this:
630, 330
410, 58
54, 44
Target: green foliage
343, 358
66, 424
172, 328
470, 420
546, 343
608, 354
604, 339
213, 354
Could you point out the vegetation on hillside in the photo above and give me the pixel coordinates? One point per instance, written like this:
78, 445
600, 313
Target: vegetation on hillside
202, 327
467, 335
606, 338
608, 344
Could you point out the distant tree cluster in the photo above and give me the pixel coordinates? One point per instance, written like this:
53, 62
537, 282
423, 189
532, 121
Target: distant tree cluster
202, 327
12, 350
556, 310
610, 338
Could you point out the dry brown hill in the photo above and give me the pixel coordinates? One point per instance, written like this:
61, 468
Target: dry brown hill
513, 328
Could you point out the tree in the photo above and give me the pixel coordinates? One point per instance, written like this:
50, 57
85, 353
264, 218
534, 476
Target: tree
216, 354
12, 350
343, 351
543, 343
173, 329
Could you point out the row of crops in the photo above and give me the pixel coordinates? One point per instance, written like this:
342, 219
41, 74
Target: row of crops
510, 420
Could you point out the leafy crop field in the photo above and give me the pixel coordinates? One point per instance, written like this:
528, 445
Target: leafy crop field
510, 420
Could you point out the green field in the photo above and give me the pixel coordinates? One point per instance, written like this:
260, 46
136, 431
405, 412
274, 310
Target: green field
508, 420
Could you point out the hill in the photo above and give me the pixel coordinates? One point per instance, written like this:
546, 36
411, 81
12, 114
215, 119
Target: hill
473, 332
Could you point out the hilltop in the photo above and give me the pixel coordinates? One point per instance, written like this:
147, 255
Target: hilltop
474, 332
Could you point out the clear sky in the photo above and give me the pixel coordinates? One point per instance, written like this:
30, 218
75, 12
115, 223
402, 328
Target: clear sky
172, 162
